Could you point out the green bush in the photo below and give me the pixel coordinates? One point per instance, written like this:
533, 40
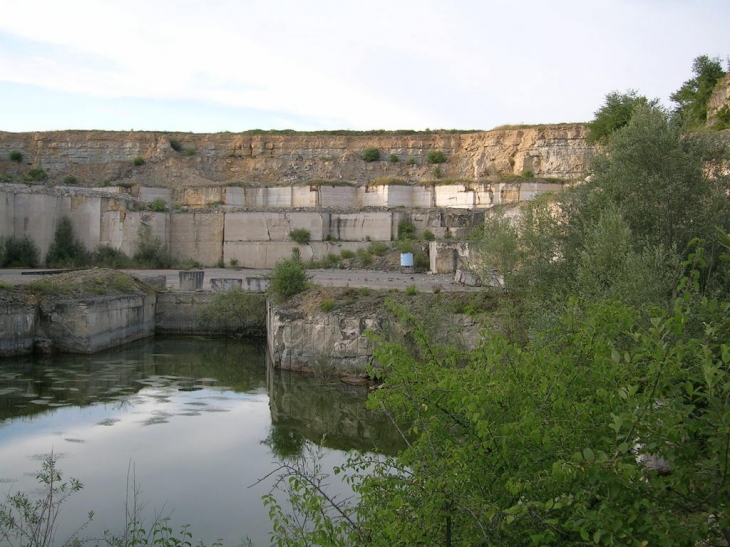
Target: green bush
108, 257
235, 312
393, 158
411, 161
428, 235
234, 262
438, 173
327, 305
406, 230
19, 253
190, 151
411, 290
347, 253
70, 180
16, 156
150, 251
175, 145
436, 156
421, 261
37, 174
378, 248
300, 235
139, 160
364, 257
158, 205
528, 174
371, 154
448, 234
288, 277
66, 251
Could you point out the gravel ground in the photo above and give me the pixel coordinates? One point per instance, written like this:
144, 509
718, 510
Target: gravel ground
328, 278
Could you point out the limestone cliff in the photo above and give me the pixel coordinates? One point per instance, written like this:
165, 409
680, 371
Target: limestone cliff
719, 101
94, 158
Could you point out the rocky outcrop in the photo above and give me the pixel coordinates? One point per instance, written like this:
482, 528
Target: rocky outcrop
95, 158
719, 101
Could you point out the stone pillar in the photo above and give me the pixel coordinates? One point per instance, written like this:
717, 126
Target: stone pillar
191, 280
218, 284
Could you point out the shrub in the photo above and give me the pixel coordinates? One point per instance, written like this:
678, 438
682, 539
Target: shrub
436, 156
139, 160
70, 180
66, 251
371, 154
19, 253
16, 156
347, 253
405, 245
448, 234
327, 305
37, 174
288, 277
421, 261
150, 252
393, 158
175, 145
406, 230
190, 151
331, 260
158, 205
235, 312
378, 248
528, 174
428, 235
108, 257
411, 290
365, 291
438, 173
234, 262
300, 235
365, 257
411, 161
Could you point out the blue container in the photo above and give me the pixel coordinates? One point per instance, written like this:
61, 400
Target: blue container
406, 260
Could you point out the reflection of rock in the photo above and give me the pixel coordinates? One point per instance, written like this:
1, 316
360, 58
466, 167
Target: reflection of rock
301, 406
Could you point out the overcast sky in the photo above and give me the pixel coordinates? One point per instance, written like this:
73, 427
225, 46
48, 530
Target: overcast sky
232, 65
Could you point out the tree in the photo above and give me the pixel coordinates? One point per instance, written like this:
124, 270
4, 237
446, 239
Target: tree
66, 250
614, 114
288, 277
693, 96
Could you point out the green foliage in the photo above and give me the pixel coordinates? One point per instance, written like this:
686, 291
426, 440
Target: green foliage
406, 230
496, 250
16, 156
234, 262
139, 160
175, 145
436, 156
190, 151
428, 235
235, 312
70, 180
693, 97
378, 248
347, 254
66, 250
106, 256
18, 253
37, 175
394, 158
421, 261
438, 173
411, 161
300, 235
411, 290
158, 205
370, 154
150, 251
722, 119
327, 305
527, 174
615, 113
365, 258
288, 277
33, 522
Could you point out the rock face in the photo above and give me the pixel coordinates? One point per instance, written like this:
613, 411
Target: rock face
94, 158
719, 100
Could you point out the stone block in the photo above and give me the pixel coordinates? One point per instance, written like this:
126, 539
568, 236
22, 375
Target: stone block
191, 280
222, 284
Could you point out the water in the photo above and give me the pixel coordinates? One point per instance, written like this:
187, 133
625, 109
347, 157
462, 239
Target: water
194, 422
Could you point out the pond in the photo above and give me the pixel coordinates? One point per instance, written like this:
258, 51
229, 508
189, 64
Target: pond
193, 422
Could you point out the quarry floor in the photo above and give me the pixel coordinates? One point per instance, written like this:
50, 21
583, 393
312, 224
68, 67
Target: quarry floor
328, 278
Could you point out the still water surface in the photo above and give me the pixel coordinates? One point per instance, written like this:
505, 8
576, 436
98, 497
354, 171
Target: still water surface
198, 421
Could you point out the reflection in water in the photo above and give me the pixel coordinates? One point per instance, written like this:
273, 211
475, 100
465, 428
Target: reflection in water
190, 415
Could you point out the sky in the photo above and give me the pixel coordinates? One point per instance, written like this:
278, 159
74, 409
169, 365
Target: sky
234, 65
